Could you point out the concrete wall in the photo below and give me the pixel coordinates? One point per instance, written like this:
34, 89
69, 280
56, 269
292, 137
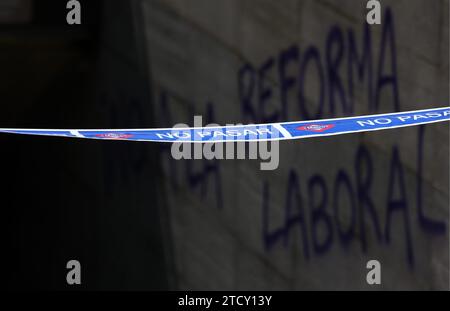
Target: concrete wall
334, 203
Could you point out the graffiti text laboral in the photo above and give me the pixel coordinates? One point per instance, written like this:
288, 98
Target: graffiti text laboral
306, 212
234, 143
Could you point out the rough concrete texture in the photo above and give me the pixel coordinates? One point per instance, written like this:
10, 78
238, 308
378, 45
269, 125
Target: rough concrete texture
333, 203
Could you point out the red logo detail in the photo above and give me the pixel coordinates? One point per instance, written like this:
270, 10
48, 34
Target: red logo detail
315, 127
114, 135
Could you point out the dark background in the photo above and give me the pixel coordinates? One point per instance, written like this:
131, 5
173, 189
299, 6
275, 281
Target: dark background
61, 199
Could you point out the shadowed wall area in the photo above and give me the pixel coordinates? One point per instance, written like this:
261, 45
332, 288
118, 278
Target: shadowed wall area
84, 200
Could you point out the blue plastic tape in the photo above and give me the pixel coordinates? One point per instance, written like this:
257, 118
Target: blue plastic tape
255, 132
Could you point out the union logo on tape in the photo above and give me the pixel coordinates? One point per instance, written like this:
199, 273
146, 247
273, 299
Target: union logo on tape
114, 135
315, 127
254, 132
